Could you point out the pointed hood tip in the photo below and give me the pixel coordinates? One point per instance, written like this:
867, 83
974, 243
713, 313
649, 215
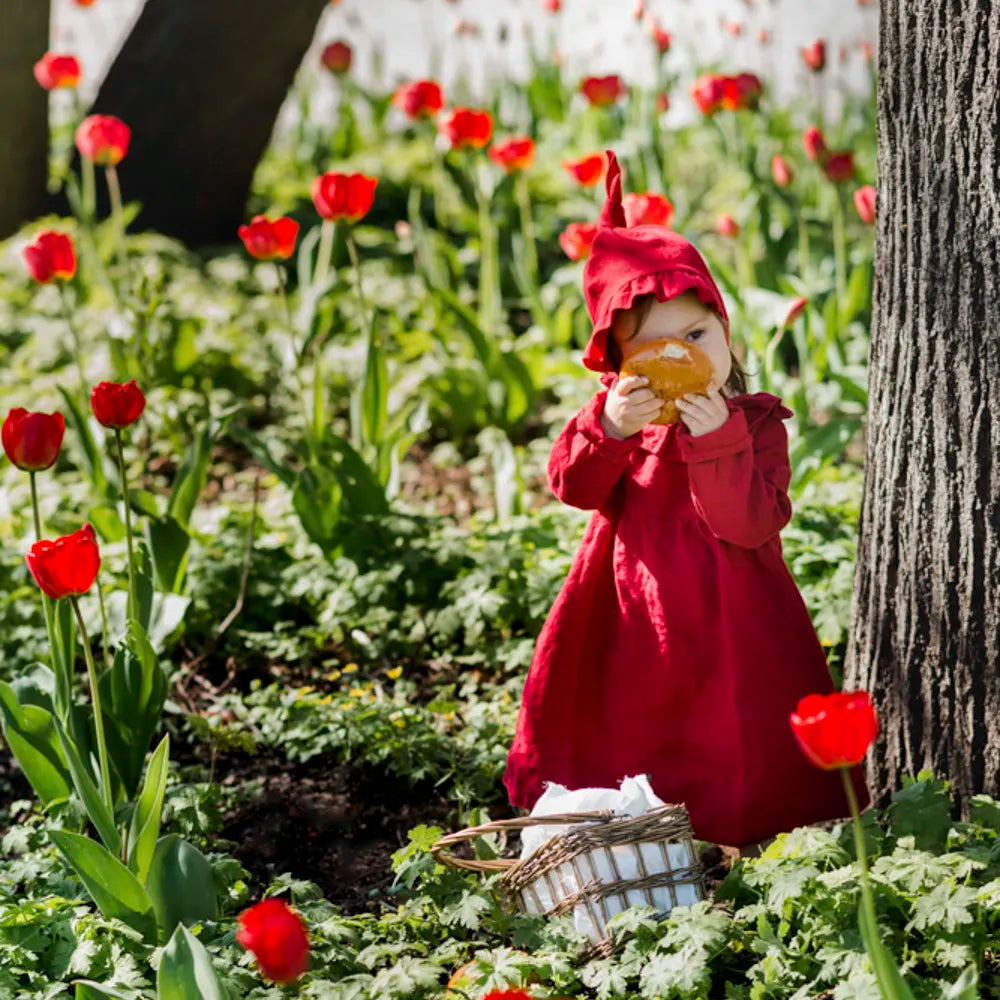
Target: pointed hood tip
613, 213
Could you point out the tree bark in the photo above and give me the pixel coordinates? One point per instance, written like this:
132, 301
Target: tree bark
926, 634
24, 114
200, 84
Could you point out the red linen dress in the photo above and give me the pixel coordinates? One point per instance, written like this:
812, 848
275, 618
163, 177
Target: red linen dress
679, 644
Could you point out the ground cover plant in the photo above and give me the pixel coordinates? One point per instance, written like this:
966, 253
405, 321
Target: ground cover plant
315, 476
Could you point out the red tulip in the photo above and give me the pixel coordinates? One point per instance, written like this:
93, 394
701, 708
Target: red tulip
867, 51
552, 6
781, 171
577, 239
726, 225
464, 27
741, 92
835, 730
707, 92
764, 36
864, 202
66, 567
661, 38
117, 405
267, 240
343, 196
32, 440
639, 11
734, 28
814, 56
50, 256
53, 71
839, 167
277, 937
466, 127
507, 995
814, 144
336, 57
662, 102
420, 98
602, 90
84, 3
513, 154
587, 171
795, 310
649, 209
103, 139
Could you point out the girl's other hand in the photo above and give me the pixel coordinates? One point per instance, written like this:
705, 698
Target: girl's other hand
703, 414
629, 406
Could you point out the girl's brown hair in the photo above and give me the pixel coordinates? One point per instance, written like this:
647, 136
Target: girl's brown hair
628, 322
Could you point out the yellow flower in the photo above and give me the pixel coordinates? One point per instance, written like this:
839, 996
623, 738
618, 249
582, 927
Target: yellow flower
333, 675
828, 642
347, 704
395, 673
325, 700
303, 691
357, 692
400, 723
351, 668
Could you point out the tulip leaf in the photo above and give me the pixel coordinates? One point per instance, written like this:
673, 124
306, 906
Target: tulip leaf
87, 989
30, 733
180, 884
97, 809
133, 692
115, 890
193, 472
144, 584
186, 970
92, 456
317, 501
145, 828
168, 545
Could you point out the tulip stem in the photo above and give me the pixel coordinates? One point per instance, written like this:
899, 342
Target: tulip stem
46, 602
102, 749
133, 597
527, 227
104, 624
840, 256
115, 194
297, 357
89, 190
867, 900
371, 374
75, 335
325, 252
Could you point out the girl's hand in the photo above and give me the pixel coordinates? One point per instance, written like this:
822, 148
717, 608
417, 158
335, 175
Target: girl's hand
629, 406
703, 414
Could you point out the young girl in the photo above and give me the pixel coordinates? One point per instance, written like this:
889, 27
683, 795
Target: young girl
679, 644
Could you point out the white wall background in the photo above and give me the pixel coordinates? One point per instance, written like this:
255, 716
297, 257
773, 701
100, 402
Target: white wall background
416, 38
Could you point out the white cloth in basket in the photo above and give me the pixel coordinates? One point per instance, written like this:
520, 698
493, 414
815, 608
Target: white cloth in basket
634, 798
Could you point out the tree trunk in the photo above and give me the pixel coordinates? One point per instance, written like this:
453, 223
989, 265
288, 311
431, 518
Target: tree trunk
200, 84
24, 114
926, 634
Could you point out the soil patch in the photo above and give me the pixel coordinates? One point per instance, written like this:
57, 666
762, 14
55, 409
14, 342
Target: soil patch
324, 823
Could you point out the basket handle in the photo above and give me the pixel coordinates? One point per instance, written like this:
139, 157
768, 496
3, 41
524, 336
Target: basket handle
440, 850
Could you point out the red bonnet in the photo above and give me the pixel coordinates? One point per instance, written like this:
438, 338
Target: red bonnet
626, 263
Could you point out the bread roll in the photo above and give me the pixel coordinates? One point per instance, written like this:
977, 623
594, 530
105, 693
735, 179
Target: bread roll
674, 368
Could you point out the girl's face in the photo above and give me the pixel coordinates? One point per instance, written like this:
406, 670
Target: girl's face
686, 318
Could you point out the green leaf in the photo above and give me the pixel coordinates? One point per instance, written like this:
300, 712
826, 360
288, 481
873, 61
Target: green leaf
186, 971
92, 456
144, 830
116, 891
945, 906
317, 500
133, 693
922, 809
890, 980
180, 884
192, 475
30, 733
97, 808
87, 989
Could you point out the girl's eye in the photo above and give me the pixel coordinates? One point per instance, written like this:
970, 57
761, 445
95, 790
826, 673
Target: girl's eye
696, 333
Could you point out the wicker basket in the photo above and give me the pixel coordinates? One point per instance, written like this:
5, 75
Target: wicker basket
565, 872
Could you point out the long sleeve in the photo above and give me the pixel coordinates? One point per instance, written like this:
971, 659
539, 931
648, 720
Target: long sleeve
739, 481
585, 463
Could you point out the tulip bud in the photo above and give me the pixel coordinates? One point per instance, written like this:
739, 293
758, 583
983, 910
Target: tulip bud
32, 440
54, 71
103, 139
781, 171
50, 257
67, 566
864, 202
577, 239
277, 937
336, 57
726, 225
117, 405
814, 56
